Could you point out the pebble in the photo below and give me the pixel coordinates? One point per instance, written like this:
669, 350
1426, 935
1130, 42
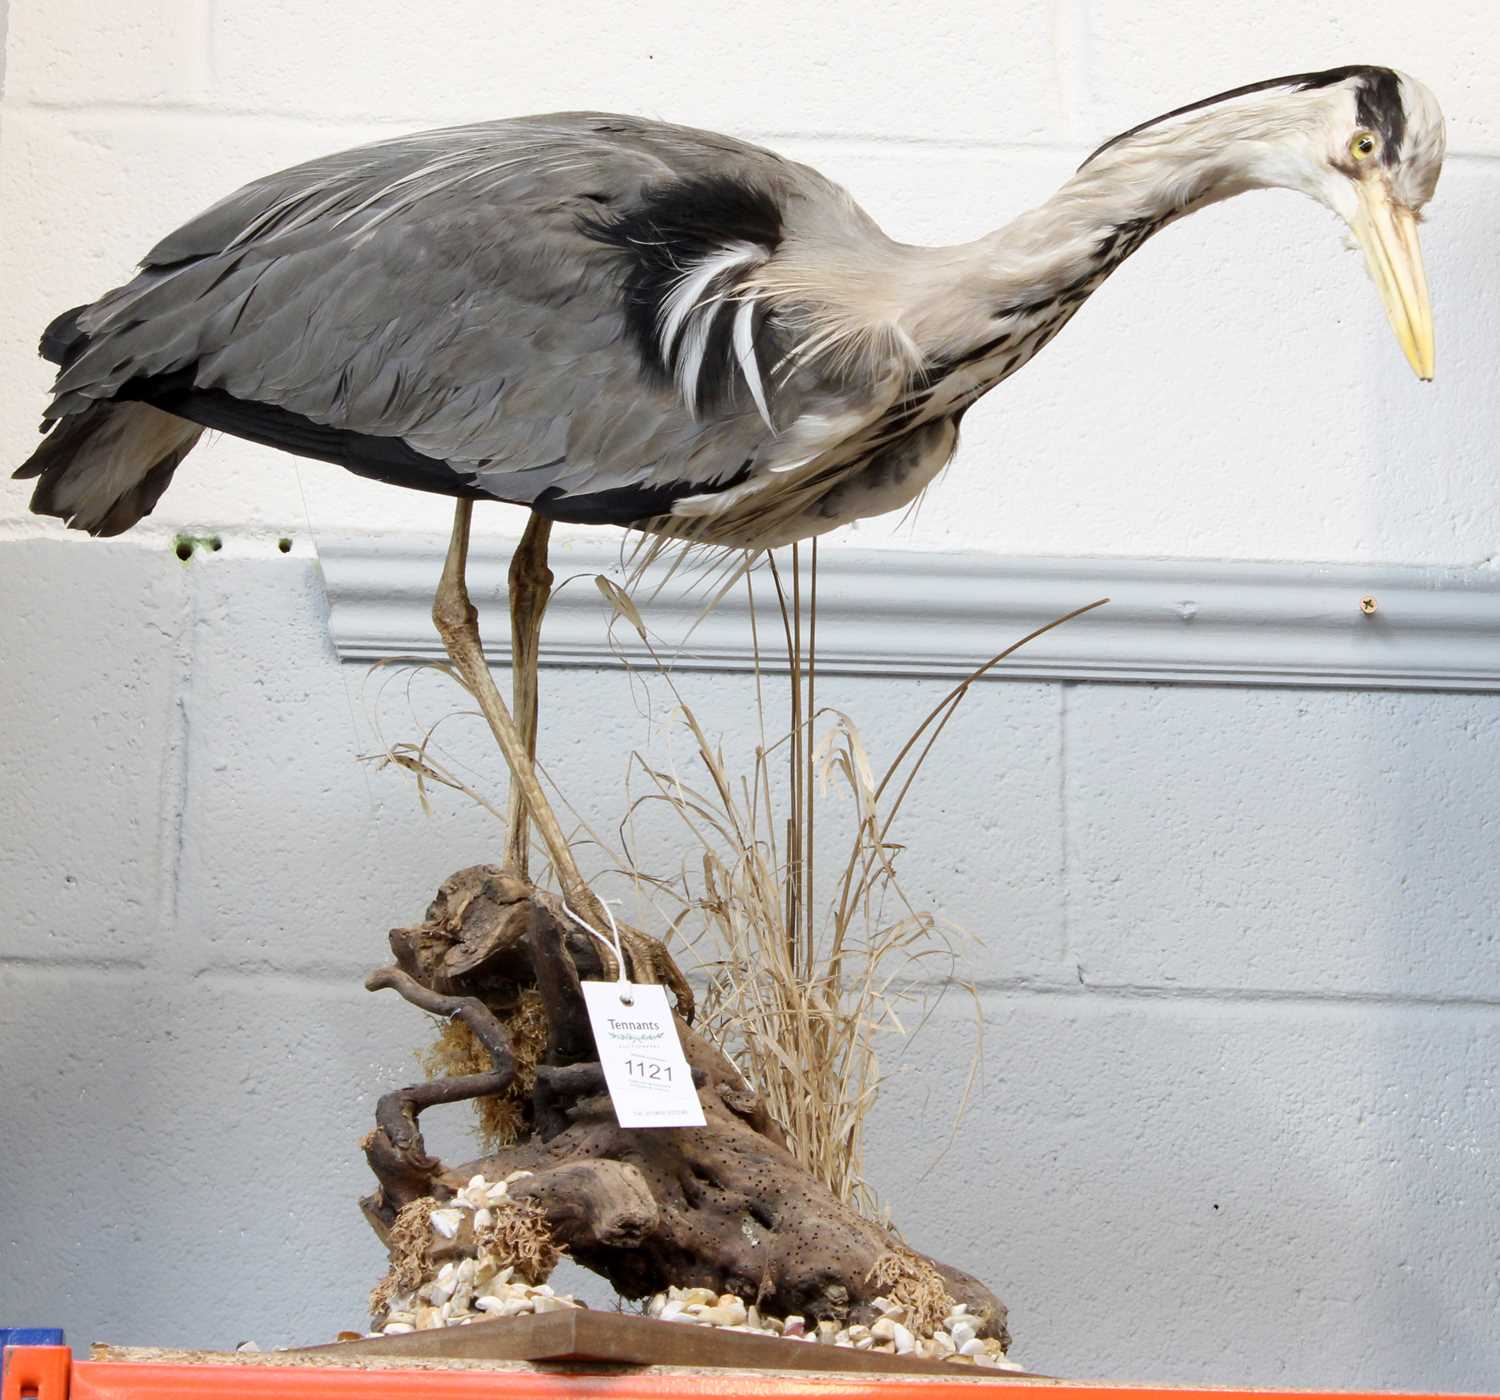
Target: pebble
464, 1290
446, 1221
472, 1288
888, 1334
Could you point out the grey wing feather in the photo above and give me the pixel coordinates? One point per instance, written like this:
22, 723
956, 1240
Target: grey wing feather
439, 289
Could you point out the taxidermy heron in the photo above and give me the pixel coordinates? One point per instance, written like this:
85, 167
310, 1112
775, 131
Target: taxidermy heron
618, 321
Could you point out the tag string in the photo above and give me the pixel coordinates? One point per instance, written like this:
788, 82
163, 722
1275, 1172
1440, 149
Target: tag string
612, 943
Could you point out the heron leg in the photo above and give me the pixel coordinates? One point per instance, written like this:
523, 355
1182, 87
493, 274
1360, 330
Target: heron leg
457, 622
530, 589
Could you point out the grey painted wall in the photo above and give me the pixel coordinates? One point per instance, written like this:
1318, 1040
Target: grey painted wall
1238, 976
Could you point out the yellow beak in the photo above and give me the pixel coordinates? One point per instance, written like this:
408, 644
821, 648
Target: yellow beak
1388, 234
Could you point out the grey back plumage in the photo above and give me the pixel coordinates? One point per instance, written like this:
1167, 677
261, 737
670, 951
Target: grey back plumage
452, 290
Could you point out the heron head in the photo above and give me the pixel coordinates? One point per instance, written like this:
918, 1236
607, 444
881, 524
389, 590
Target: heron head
1378, 154
1366, 142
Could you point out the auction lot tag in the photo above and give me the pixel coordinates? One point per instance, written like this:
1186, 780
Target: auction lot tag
647, 1073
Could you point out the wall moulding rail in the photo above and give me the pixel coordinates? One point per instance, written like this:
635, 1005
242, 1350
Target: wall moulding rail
909, 613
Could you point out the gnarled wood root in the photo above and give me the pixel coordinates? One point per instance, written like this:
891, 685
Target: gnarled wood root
725, 1206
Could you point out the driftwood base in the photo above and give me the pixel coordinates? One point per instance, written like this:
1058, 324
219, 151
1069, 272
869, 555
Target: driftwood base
724, 1207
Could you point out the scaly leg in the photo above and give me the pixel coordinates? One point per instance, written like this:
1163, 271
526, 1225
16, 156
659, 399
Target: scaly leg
530, 588
458, 625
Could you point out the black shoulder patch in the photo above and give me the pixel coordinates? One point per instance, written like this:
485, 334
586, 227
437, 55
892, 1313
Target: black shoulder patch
1378, 103
668, 232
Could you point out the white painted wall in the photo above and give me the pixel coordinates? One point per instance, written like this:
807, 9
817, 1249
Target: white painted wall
1239, 969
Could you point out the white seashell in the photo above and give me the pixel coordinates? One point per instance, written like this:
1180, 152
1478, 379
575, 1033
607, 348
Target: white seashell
543, 1288
503, 1276
546, 1304
883, 1329
733, 1308
496, 1193
864, 1344
904, 1340
477, 1182
446, 1220
943, 1344
395, 1329
827, 1330
657, 1303
959, 1310
794, 1326
516, 1176
672, 1310
467, 1268
483, 1218
973, 1347
962, 1331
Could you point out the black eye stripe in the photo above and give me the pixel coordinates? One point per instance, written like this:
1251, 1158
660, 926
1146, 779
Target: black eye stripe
1377, 103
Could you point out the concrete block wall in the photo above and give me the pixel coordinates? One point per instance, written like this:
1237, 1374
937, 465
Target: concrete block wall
1238, 971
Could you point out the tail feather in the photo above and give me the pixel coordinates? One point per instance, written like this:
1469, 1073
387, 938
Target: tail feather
104, 469
64, 337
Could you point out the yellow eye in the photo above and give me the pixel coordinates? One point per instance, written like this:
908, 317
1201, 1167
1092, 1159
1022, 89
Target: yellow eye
1363, 145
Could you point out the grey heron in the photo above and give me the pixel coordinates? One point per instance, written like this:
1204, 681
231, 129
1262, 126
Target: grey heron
618, 321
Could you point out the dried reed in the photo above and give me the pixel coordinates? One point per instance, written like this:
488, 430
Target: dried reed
800, 988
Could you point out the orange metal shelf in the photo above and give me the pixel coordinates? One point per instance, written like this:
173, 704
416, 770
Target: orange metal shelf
48, 1373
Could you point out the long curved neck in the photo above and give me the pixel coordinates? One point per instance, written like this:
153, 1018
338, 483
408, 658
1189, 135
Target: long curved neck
1106, 204
1045, 263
